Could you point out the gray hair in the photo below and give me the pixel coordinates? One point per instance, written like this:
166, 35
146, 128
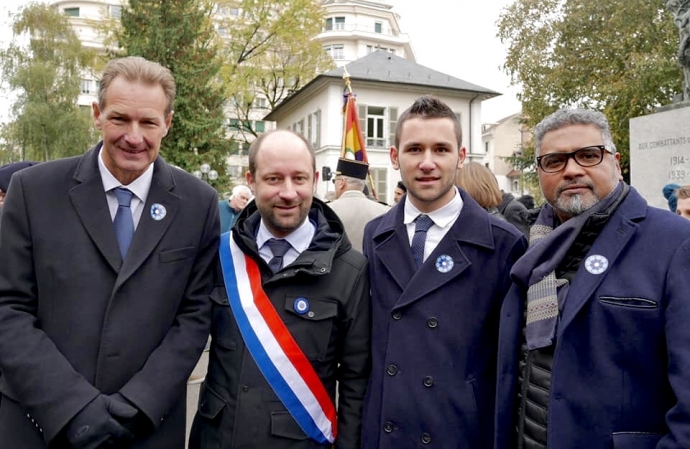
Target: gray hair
357, 183
240, 189
566, 117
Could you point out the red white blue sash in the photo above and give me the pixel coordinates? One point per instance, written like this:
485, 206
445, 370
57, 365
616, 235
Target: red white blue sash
270, 343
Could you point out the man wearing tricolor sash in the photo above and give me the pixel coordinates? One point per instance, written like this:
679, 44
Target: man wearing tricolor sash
291, 316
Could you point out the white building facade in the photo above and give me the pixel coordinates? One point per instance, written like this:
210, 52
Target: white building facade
385, 85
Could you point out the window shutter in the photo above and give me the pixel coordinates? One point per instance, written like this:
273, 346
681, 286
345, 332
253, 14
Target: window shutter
317, 126
392, 123
362, 112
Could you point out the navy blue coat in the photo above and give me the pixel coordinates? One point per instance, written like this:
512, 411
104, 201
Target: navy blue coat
621, 367
434, 336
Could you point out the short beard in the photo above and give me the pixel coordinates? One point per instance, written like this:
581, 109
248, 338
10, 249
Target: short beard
575, 204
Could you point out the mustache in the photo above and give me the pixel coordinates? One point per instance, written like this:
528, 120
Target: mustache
561, 188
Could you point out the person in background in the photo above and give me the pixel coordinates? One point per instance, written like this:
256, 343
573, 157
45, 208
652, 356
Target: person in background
683, 201
353, 208
399, 191
594, 334
514, 212
291, 318
440, 267
478, 181
230, 209
6, 172
671, 196
107, 267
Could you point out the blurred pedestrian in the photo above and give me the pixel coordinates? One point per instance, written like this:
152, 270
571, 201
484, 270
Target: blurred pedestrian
230, 209
6, 172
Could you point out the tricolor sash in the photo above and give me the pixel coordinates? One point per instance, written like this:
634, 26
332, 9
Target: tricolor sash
273, 348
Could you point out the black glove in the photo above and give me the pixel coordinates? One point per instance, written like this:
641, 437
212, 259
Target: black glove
97, 426
138, 424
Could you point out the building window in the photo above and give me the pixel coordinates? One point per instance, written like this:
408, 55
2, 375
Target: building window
486, 147
234, 124
335, 51
260, 103
115, 11
379, 176
378, 27
370, 49
337, 23
71, 12
87, 87
375, 129
259, 126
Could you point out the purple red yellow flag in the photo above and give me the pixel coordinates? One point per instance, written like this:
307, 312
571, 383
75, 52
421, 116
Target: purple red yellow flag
353, 144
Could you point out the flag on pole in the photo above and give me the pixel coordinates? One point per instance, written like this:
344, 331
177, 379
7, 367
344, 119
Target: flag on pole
353, 143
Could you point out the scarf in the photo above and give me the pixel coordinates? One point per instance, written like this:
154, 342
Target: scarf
536, 269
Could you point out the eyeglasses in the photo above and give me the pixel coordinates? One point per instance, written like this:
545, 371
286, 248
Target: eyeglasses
585, 157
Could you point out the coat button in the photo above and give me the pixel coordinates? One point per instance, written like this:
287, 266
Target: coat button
432, 323
397, 315
245, 388
392, 370
388, 427
426, 438
428, 381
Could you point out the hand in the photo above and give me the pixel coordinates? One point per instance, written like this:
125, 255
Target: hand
138, 424
97, 425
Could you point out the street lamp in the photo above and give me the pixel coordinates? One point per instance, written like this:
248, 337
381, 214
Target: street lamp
206, 173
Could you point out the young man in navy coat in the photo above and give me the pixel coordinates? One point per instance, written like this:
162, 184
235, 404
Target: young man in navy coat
440, 267
594, 339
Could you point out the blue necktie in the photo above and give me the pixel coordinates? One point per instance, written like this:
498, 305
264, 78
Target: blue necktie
124, 223
422, 225
278, 247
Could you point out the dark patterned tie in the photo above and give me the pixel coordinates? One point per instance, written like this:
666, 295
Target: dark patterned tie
422, 224
124, 223
278, 247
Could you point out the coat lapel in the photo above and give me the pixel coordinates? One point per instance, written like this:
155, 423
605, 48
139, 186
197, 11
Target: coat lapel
149, 231
616, 235
471, 228
394, 248
91, 206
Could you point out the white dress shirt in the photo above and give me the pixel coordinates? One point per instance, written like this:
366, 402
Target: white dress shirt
443, 219
299, 240
139, 187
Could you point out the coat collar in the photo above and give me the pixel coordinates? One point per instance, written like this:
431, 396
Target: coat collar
473, 227
89, 201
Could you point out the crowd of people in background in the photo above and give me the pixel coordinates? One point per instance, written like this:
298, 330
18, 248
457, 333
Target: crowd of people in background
459, 316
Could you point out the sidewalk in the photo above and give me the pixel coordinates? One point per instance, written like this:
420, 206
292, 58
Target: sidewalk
193, 389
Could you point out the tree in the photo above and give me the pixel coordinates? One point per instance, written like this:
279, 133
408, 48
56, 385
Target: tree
179, 35
43, 65
268, 52
617, 57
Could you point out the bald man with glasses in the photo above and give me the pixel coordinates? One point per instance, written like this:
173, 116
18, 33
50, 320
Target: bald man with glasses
593, 345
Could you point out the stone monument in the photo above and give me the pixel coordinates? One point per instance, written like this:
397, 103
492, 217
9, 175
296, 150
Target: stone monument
660, 142
681, 17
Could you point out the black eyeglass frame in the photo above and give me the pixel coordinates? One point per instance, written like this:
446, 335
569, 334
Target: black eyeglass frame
571, 155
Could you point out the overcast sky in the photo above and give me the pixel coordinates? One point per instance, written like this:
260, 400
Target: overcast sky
456, 37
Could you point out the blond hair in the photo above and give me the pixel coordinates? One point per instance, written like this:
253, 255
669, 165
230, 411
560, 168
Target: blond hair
478, 181
136, 68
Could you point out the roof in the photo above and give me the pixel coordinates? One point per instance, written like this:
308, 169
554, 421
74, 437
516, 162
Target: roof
383, 67
389, 68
